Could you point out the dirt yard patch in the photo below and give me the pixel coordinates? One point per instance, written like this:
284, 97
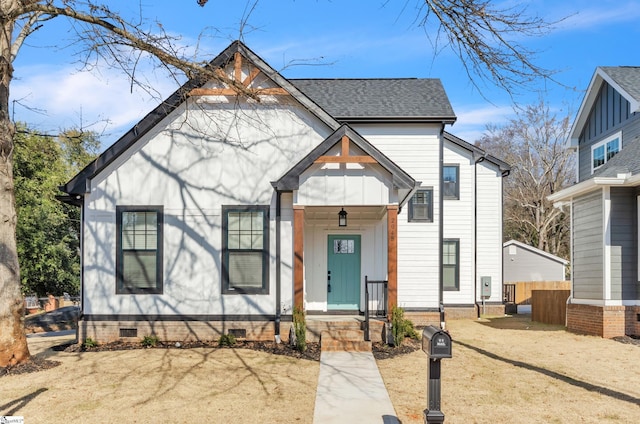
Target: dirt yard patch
510, 370
504, 370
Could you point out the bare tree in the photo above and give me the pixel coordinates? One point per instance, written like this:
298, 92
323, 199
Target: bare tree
482, 36
106, 35
488, 40
533, 144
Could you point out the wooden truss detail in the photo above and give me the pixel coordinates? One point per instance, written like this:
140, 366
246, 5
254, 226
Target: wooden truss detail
238, 86
344, 155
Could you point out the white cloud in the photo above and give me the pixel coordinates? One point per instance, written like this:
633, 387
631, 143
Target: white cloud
472, 120
68, 98
605, 13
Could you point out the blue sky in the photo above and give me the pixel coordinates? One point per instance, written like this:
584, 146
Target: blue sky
319, 39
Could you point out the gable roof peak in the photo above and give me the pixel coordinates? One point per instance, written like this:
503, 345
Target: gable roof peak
624, 79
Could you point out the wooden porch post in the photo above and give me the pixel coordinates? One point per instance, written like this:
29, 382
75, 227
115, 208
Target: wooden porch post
392, 256
298, 256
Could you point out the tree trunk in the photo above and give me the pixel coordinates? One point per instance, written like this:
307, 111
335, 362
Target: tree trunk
13, 342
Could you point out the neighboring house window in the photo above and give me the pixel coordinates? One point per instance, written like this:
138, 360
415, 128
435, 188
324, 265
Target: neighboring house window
603, 151
421, 206
245, 249
450, 175
139, 249
451, 264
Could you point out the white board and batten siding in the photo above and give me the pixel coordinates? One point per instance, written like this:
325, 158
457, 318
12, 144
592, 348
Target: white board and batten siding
416, 149
192, 176
326, 184
373, 257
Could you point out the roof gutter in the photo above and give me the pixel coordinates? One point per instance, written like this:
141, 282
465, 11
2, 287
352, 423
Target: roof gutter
398, 119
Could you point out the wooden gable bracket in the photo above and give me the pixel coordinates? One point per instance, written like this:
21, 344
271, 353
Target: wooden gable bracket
237, 86
344, 155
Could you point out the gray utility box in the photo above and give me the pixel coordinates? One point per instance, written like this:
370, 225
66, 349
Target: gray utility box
436, 343
486, 287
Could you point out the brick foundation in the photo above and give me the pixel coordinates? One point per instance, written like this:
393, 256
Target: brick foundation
108, 331
632, 320
603, 321
421, 319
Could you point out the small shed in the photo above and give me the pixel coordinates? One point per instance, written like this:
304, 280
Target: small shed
527, 263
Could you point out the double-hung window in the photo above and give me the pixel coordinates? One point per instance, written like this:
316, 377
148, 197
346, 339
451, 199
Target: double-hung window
451, 264
450, 176
245, 249
603, 151
139, 249
421, 206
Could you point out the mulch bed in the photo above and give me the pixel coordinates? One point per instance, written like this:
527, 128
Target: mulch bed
634, 340
312, 352
34, 364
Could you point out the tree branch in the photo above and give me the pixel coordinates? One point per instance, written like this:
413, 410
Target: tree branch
484, 38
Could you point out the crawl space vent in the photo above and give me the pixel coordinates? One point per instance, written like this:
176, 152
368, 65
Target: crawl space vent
128, 332
238, 333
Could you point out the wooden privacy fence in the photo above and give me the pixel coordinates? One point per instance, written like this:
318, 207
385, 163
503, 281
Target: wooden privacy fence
549, 306
523, 289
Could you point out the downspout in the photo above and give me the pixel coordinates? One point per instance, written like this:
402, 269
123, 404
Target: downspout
278, 316
441, 232
475, 233
81, 313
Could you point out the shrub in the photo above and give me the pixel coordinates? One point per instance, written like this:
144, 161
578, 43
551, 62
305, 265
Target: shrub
401, 327
227, 340
150, 341
89, 343
300, 329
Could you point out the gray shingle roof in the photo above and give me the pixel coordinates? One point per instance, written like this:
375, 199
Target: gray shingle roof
403, 100
366, 99
628, 77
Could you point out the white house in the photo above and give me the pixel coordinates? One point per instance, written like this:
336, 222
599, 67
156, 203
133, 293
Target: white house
220, 209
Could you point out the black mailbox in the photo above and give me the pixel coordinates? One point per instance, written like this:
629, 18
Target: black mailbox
436, 343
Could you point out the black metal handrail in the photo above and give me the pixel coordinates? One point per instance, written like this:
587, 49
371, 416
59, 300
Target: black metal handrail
374, 291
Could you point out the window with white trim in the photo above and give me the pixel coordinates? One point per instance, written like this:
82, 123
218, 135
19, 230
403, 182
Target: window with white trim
606, 149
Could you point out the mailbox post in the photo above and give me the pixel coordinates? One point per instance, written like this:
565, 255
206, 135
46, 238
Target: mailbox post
436, 343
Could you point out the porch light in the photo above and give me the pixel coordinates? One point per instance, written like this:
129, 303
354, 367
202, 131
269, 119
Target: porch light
342, 218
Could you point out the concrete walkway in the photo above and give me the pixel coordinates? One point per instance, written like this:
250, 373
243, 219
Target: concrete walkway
351, 390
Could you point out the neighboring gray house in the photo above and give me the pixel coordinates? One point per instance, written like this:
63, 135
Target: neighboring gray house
522, 262
605, 297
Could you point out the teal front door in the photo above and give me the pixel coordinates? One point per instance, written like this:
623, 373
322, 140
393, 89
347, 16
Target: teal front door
343, 276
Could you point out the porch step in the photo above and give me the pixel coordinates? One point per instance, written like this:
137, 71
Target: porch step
344, 341
316, 325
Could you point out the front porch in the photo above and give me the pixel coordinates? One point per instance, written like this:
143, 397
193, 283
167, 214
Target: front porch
344, 174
